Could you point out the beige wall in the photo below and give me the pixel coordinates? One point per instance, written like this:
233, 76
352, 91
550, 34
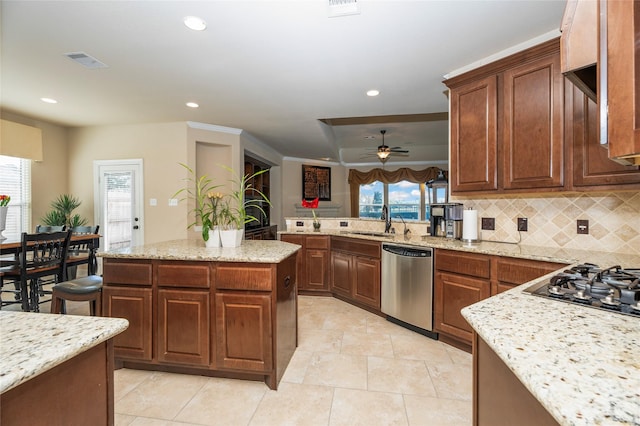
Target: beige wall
161, 146
49, 177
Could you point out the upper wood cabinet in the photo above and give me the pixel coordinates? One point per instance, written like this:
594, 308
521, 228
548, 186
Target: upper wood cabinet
506, 124
579, 45
623, 79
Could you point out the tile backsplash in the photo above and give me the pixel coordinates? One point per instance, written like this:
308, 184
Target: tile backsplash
614, 219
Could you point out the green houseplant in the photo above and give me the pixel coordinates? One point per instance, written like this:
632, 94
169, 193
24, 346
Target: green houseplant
61, 212
207, 201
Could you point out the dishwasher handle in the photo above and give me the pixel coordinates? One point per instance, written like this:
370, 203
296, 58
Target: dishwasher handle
406, 251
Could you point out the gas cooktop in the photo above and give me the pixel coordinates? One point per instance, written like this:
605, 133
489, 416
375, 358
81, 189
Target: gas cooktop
614, 289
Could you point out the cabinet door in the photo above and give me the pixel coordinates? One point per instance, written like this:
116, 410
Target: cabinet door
183, 326
341, 273
366, 281
532, 125
301, 277
317, 264
591, 163
244, 332
474, 136
454, 292
133, 304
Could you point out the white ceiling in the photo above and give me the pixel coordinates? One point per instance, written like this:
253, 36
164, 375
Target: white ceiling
271, 68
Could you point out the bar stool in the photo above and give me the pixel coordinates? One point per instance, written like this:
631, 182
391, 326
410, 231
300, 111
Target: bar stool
85, 289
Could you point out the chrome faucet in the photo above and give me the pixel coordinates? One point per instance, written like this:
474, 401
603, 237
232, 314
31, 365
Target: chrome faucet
387, 219
406, 230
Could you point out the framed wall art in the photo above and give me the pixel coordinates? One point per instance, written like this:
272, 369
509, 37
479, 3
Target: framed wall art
316, 182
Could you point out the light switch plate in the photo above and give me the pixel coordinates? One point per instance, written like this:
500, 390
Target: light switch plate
153, 201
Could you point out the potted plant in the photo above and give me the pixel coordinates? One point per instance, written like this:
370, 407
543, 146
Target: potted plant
236, 206
201, 191
4, 208
62, 212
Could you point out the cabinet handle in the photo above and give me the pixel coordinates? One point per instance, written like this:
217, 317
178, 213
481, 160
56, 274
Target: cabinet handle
287, 281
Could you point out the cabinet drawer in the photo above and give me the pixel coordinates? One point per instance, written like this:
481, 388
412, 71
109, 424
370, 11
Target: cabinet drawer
355, 247
476, 265
182, 274
520, 271
293, 239
125, 272
241, 277
317, 242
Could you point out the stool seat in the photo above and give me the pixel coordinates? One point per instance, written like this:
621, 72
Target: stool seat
85, 289
82, 285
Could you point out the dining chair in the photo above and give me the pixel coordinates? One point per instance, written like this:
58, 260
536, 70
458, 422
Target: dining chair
48, 228
41, 255
83, 252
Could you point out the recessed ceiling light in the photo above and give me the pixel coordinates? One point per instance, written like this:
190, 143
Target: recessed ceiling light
194, 23
373, 92
49, 100
192, 105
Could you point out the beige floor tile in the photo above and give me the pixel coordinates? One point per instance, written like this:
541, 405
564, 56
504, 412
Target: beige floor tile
404, 376
122, 419
379, 325
161, 396
320, 341
297, 367
459, 356
345, 321
223, 402
420, 347
145, 421
368, 344
425, 411
295, 404
451, 381
339, 370
355, 407
126, 379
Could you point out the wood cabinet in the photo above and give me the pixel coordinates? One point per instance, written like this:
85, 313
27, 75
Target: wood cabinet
592, 167
506, 124
313, 262
355, 271
127, 293
462, 279
204, 317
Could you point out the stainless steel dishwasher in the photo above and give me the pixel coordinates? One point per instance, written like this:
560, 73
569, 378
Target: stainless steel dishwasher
407, 286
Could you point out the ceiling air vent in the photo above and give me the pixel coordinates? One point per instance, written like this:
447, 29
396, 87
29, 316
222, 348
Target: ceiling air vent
85, 60
343, 8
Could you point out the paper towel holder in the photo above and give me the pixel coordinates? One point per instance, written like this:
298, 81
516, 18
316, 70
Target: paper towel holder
470, 229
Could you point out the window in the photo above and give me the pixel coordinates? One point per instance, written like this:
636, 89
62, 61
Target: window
404, 199
15, 181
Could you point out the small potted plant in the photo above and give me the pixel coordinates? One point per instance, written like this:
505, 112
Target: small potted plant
4, 207
201, 191
313, 204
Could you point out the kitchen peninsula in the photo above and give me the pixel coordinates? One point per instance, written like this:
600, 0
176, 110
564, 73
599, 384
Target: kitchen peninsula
228, 312
57, 369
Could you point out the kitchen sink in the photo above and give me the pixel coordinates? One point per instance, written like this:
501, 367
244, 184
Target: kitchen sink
372, 234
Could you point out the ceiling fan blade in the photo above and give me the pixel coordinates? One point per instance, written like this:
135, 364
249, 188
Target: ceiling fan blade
398, 150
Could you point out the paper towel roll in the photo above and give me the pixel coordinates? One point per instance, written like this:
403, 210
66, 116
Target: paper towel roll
470, 225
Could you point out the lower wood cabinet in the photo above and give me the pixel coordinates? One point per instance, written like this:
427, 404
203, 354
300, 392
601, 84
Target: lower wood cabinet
183, 333
134, 304
313, 262
355, 270
462, 279
243, 323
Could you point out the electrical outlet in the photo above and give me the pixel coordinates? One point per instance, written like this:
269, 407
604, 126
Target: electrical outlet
299, 223
583, 226
523, 224
344, 223
489, 223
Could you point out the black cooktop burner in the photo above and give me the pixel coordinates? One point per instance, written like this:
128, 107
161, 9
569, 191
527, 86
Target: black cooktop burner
614, 289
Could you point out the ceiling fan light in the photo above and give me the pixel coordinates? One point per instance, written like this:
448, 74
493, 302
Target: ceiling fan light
383, 155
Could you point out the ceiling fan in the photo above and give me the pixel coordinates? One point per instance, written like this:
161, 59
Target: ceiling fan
384, 151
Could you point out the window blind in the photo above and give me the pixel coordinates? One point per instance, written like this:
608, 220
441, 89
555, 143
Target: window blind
15, 181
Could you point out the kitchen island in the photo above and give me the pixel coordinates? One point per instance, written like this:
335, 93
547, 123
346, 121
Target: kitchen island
57, 369
228, 312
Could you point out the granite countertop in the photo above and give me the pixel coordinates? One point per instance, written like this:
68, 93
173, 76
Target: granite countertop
33, 343
581, 363
546, 254
256, 251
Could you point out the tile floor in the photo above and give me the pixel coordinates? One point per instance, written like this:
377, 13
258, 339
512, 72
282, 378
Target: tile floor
351, 368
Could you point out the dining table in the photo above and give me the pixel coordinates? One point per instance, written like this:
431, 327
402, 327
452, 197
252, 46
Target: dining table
10, 249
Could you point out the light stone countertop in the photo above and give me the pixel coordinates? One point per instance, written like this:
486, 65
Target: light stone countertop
254, 251
581, 363
33, 343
